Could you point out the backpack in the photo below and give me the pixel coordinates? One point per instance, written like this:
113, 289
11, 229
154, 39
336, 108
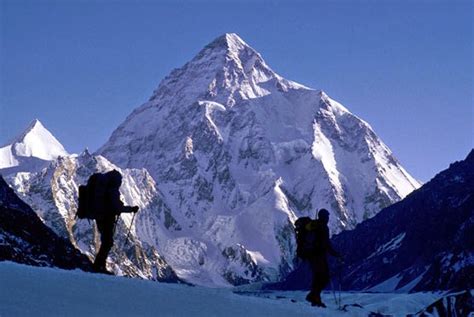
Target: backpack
305, 239
92, 197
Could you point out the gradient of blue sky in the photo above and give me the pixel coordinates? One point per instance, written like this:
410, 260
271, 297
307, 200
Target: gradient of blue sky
405, 67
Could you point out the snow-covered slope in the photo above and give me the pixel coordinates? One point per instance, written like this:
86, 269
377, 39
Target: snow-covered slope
53, 193
31, 150
29, 291
240, 152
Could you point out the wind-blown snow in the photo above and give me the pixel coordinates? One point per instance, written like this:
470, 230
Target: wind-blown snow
33, 291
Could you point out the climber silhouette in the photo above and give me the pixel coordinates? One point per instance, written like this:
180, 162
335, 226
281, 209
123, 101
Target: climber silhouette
318, 258
106, 220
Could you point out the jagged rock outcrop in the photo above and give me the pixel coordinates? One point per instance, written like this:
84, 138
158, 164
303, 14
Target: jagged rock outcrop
53, 193
25, 239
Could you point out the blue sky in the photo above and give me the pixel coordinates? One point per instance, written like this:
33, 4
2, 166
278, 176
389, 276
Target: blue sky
406, 67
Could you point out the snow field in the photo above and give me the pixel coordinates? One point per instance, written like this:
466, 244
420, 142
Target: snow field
33, 291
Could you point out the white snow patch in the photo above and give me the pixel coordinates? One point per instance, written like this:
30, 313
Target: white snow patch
393, 244
409, 286
464, 262
323, 151
388, 285
7, 159
258, 258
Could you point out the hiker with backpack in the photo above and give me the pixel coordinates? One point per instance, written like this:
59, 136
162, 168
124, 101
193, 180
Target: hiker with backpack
313, 245
100, 200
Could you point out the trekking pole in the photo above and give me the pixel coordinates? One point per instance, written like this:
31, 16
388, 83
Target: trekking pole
129, 229
115, 223
339, 277
334, 293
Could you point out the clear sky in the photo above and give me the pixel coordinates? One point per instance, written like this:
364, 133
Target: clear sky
406, 67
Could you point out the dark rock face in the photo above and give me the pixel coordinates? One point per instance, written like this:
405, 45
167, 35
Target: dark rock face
25, 239
424, 242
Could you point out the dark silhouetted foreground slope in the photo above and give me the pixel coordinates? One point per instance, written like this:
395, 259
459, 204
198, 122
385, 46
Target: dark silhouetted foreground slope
25, 239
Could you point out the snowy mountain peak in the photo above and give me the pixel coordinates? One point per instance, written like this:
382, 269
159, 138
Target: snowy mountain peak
226, 70
35, 144
239, 152
231, 42
33, 124
34, 127
227, 47
85, 153
38, 142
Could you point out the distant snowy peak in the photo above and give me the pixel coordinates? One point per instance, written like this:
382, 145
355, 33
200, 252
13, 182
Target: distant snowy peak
226, 70
35, 143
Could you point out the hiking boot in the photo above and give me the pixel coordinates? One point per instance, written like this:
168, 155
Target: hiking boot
318, 304
312, 297
315, 300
